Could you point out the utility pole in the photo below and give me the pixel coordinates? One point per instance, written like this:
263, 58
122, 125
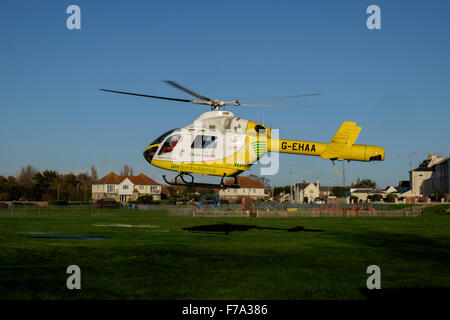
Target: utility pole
273, 190
343, 172
58, 191
290, 184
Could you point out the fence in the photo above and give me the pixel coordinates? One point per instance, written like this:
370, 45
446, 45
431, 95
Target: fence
78, 211
262, 210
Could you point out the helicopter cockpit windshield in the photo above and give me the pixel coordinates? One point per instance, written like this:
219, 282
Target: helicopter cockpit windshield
150, 152
170, 144
162, 137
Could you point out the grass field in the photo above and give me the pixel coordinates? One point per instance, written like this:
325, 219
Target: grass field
220, 258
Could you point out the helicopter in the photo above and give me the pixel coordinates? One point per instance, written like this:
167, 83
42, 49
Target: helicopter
220, 144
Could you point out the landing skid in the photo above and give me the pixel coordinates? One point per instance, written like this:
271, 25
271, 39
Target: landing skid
191, 183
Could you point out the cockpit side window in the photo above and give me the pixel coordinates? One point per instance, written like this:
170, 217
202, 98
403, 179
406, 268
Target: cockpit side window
170, 144
204, 142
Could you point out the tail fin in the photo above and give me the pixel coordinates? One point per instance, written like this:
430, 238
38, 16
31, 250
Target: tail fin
344, 137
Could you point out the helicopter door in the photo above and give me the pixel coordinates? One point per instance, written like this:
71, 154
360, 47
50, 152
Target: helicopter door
205, 146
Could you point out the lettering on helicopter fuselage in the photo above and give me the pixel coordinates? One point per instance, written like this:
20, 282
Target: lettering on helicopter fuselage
192, 168
297, 146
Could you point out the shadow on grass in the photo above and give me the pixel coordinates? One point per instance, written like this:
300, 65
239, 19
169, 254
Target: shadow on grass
402, 294
228, 227
408, 247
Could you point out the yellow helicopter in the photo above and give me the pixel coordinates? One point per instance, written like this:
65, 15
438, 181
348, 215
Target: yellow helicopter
219, 144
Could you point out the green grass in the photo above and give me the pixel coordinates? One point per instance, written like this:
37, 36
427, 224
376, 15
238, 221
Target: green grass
327, 259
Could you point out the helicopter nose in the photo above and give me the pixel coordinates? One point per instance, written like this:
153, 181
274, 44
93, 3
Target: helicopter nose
150, 152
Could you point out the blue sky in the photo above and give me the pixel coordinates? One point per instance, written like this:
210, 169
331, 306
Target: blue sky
394, 82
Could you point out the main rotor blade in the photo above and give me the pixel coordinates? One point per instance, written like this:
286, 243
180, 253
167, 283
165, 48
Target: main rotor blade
178, 86
147, 96
283, 97
272, 105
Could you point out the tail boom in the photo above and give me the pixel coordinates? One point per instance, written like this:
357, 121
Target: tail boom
341, 146
332, 150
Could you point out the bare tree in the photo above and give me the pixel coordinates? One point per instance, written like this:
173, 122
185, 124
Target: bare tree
94, 174
26, 181
126, 170
25, 176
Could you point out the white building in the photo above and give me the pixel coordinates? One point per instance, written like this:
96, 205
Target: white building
247, 188
390, 189
431, 175
125, 188
308, 190
361, 191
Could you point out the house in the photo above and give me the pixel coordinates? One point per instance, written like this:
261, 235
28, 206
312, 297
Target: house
325, 191
309, 190
125, 188
390, 189
248, 187
362, 195
431, 175
440, 178
361, 191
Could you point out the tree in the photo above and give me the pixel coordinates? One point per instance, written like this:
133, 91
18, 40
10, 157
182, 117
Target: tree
354, 199
10, 189
279, 190
25, 176
375, 197
126, 170
437, 195
94, 173
3, 194
390, 197
85, 185
372, 184
45, 186
25, 180
339, 192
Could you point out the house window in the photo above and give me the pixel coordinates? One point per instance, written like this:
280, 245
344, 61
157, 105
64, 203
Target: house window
141, 187
154, 188
110, 188
125, 186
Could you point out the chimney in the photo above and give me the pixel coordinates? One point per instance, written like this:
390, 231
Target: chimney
317, 183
